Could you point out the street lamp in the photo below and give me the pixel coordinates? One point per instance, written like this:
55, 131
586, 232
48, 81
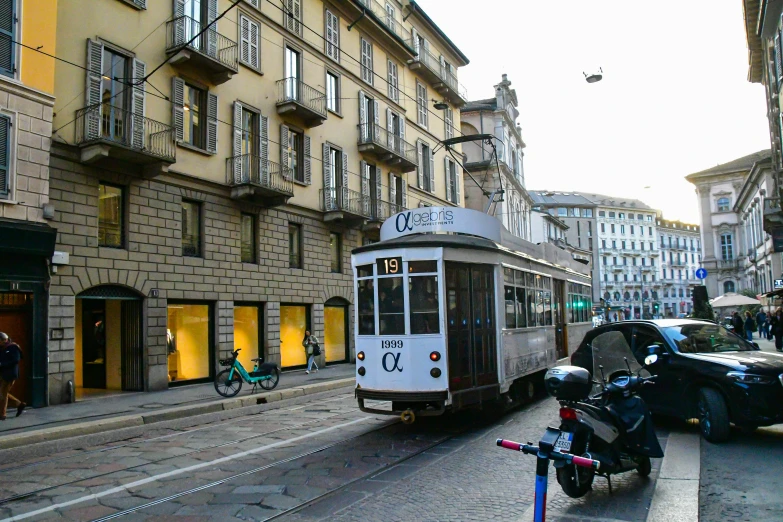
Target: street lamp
594, 77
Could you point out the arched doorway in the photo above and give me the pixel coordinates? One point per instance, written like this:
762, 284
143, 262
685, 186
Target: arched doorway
336, 339
109, 351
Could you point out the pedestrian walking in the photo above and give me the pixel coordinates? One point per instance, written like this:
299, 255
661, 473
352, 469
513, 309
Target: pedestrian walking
776, 327
312, 348
750, 326
761, 321
737, 324
10, 355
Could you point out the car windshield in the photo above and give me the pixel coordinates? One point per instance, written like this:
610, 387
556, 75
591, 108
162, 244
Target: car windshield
705, 338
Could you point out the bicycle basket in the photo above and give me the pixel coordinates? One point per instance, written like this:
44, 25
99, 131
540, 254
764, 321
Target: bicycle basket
226, 362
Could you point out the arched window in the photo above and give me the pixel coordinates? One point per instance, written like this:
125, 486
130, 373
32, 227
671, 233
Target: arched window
636, 296
607, 296
728, 286
646, 294
627, 296
617, 296
724, 204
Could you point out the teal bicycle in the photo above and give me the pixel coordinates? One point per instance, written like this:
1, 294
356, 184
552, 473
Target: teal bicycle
228, 382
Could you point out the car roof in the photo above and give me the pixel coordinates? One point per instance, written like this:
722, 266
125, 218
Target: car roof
661, 323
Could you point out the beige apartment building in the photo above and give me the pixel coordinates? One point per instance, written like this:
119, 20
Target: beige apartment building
215, 205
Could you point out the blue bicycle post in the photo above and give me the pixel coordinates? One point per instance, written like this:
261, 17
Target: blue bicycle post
544, 452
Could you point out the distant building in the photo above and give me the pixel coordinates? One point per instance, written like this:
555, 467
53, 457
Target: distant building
579, 215
497, 116
719, 189
680, 245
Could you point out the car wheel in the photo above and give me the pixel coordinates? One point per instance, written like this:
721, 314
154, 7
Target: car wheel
713, 415
645, 467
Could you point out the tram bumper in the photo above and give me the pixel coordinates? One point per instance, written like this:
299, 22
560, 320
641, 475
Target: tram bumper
428, 403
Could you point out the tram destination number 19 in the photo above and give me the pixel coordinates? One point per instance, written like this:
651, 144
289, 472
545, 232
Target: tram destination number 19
390, 266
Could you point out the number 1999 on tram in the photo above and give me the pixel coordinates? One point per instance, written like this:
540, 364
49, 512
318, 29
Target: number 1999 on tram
458, 313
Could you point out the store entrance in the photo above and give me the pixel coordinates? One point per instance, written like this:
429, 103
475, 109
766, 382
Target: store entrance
336, 346
16, 320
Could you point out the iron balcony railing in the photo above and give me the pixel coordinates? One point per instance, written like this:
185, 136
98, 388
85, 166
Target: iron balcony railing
107, 123
295, 90
728, 264
372, 133
182, 29
249, 169
387, 19
383, 210
343, 199
434, 64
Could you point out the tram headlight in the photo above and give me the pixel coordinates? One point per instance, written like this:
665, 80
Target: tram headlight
360, 356
435, 372
361, 371
435, 356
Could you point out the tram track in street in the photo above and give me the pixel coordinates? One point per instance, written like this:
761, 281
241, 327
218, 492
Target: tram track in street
33, 493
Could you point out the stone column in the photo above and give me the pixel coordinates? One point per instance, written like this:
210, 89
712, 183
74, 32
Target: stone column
272, 332
225, 325
156, 313
62, 313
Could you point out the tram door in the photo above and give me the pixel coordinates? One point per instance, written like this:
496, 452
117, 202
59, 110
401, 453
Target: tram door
561, 334
470, 291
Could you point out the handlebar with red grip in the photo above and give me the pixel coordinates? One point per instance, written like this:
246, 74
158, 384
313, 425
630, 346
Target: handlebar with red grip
554, 455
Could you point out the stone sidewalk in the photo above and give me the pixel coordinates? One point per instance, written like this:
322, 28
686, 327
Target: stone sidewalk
193, 397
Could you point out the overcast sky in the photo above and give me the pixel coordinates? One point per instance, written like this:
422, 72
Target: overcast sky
674, 99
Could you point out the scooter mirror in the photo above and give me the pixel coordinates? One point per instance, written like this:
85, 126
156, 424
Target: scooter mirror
650, 360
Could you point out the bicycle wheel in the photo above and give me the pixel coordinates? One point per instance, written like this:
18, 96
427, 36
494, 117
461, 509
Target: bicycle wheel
225, 387
271, 382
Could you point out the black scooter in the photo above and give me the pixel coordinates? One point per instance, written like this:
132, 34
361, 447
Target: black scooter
613, 427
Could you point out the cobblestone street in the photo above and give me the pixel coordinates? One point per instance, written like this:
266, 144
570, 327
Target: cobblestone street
319, 460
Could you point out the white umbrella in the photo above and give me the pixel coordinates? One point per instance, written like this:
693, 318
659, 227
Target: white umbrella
730, 299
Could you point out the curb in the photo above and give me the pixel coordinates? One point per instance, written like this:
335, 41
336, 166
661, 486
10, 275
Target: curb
676, 495
27, 438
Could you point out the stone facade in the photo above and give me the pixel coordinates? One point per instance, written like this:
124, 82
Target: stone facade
152, 264
680, 245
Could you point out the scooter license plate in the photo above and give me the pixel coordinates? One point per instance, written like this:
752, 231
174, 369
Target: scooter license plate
564, 441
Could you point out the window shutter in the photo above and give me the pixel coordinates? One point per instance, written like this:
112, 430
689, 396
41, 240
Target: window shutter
308, 178
392, 190
448, 178
244, 39
264, 150
92, 120
363, 116
432, 171
212, 124
778, 61
284, 150
420, 167
393, 84
332, 36
442, 61
364, 169
449, 119
378, 190
141, 3
177, 104
179, 22
404, 194
415, 38
293, 16
456, 187
212, 34
345, 171
376, 112
138, 108
255, 53
402, 128
237, 144
328, 194
426, 46
7, 36
5, 145
389, 129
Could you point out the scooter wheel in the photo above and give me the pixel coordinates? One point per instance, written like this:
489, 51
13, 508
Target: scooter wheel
645, 467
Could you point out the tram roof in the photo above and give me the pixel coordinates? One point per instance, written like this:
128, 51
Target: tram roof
461, 241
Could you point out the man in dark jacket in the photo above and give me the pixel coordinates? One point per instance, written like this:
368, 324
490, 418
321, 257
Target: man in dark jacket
739, 326
10, 355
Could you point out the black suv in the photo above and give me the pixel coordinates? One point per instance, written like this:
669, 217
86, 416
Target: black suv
704, 371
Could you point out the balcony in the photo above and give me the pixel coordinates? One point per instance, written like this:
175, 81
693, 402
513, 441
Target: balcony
210, 54
262, 183
379, 212
344, 204
445, 82
773, 215
679, 263
371, 16
728, 264
376, 141
296, 98
106, 134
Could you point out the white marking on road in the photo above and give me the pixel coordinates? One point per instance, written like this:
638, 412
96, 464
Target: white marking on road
176, 472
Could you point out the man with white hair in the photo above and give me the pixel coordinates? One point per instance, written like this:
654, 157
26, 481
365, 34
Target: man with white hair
10, 355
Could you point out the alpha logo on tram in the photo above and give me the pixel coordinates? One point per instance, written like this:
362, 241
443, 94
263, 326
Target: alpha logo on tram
408, 220
395, 358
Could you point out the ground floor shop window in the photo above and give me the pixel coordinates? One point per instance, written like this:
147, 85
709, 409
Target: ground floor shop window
247, 334
294, 321
335, 334
189, 342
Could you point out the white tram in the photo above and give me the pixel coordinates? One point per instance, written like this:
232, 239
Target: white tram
452, 311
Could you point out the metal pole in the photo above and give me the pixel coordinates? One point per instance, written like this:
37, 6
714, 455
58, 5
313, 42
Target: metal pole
542, 473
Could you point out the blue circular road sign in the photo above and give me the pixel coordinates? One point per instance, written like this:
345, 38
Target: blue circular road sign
701, 273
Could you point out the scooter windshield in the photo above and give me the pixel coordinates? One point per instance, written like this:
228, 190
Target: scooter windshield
610, 354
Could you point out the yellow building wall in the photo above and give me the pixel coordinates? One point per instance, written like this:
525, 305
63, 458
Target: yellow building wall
251, 88
39, 29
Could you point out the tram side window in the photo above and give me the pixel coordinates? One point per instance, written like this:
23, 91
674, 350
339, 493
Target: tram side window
510, 293
526, 305
391, 306
580, 302
521, 316
366, 302
423, 292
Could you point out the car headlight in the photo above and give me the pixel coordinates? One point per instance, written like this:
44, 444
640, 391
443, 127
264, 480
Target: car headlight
749, 378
